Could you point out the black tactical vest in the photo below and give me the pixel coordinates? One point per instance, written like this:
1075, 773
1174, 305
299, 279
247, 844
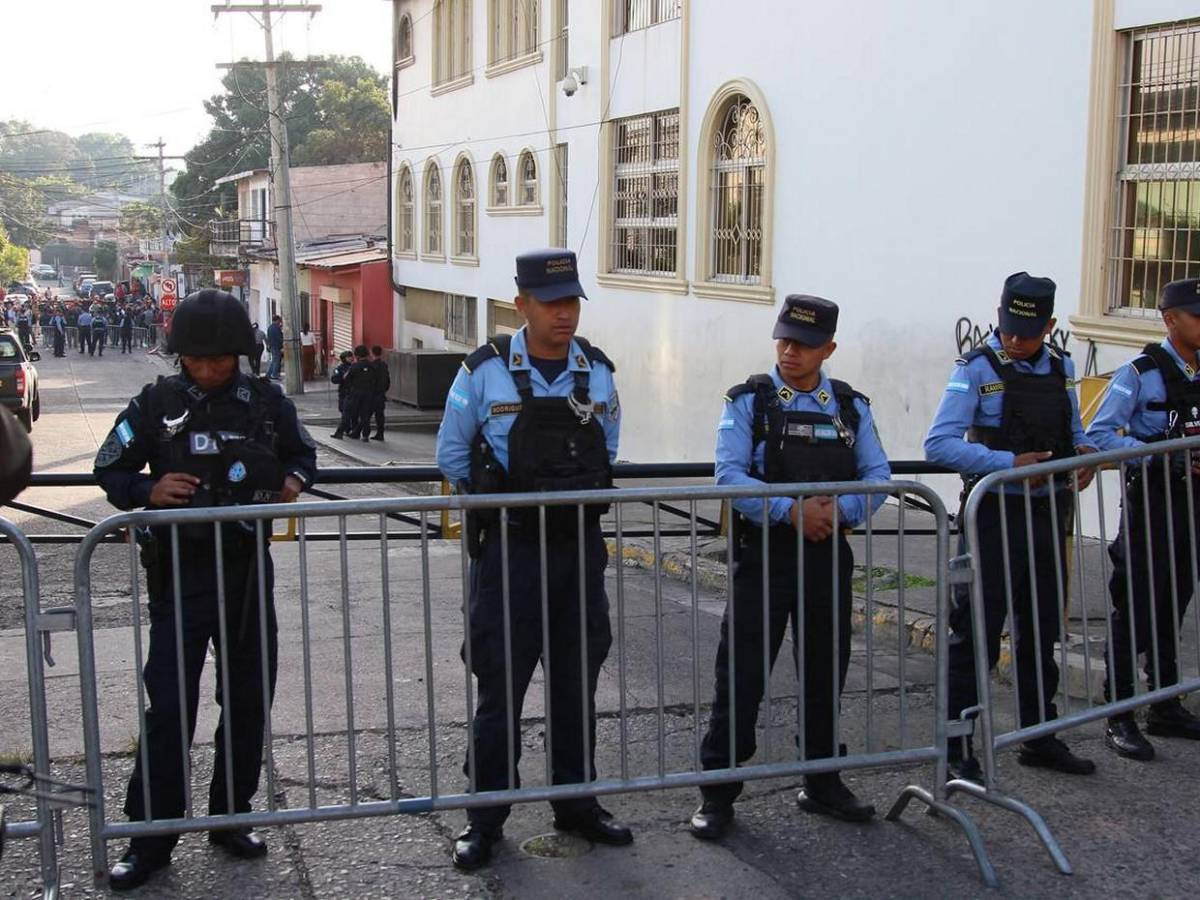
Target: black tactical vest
1182, 405
555, 443
1036, 408
226, 439
802, 446
798, 447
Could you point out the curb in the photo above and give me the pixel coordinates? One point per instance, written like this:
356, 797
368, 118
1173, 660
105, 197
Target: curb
919, 629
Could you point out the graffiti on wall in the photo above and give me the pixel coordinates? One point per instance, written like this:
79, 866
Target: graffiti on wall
968, 335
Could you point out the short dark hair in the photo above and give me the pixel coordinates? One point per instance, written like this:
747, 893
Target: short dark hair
276, 318
377, 350
361, 351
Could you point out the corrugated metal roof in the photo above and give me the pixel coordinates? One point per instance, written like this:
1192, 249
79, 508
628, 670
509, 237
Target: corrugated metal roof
343, 258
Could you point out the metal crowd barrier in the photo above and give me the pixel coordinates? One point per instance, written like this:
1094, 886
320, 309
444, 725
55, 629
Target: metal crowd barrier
45, 828
379, 643
1156, 532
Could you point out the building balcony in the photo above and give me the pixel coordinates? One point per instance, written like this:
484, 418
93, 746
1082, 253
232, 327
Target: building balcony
235, 237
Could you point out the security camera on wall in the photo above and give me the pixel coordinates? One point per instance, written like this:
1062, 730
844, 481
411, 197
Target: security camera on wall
575, 78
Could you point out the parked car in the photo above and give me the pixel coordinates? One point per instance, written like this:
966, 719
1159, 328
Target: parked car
19, 379
22, 287
44, 270
98, 289
77, 284
85, 287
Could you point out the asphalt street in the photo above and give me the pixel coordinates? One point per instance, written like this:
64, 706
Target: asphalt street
1127, 830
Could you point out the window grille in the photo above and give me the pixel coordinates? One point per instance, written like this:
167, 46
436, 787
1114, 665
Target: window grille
499, 181
460, 319
634, 15
737, 184
645, 194
404, 50
452, 40
465, 210
404, 212
1156, 222
529, 179
513, 29
433, 211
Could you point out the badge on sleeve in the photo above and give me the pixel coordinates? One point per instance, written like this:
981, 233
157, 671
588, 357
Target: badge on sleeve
110, 451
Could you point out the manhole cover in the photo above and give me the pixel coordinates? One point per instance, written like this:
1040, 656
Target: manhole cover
556, 846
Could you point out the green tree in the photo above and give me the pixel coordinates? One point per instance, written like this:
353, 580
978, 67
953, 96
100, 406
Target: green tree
105, 259
354, 125
141, 220
22, 209
14, 260
239, 138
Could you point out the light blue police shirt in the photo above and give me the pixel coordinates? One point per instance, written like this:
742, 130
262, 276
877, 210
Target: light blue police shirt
735, 455
975, 396
487, 397
1123, 408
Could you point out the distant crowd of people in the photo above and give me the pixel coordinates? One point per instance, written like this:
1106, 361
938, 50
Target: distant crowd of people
86, 325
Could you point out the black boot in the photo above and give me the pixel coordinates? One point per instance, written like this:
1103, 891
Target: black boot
473, 847
135, 867
828, 795
711, 820
1051, 753
1124, 737
1170, 718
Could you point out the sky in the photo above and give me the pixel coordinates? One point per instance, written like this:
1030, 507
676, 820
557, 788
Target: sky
144, 67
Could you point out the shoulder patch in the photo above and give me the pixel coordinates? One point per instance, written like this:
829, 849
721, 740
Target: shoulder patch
110, 451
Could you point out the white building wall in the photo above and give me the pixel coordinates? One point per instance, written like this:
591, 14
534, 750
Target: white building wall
925, 149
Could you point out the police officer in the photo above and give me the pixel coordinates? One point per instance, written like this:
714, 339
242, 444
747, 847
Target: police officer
359, 383
1010, 402
533, 412
211, 436
383, 381
1153, 398
345, 361
792, 425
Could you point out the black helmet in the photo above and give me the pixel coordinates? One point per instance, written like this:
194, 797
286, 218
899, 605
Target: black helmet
211, 323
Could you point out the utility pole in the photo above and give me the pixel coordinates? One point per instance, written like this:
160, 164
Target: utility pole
164, 208
281, 186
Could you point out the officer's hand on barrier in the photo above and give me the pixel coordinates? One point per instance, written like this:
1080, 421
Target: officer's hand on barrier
818, 518
174, 489
1085, 475
1031, 459
291, 489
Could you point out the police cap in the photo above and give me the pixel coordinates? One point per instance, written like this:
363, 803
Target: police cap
210, 323
1026, 304
1183, 294
549, 274
807, 320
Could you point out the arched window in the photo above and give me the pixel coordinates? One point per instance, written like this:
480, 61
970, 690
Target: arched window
737, 182
528, 173
499, 181
404, 40
433, 209
404, 211
464, 209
